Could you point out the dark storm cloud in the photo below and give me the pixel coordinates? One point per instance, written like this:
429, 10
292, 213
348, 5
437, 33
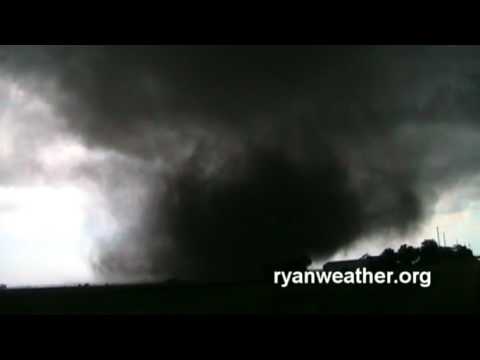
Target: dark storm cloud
267, 152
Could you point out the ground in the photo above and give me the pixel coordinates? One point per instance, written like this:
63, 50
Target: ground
455, 289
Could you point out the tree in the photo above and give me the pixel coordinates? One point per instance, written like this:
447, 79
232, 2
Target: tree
463, 251
429, 245
407, 254
429, 251
388, 258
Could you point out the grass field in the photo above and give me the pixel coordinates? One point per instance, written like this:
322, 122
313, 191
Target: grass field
454, 290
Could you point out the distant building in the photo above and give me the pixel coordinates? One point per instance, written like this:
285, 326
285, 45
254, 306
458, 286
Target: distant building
348, 265
430, 253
